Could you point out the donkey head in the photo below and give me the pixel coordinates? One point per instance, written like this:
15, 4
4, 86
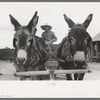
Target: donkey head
79, 38
24, 37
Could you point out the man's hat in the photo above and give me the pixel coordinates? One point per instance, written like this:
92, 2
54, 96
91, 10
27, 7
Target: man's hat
46, 27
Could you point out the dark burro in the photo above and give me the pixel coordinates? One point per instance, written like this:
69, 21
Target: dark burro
30, 49
74, 48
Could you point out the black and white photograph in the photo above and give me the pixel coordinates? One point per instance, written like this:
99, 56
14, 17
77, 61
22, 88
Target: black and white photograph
50, 42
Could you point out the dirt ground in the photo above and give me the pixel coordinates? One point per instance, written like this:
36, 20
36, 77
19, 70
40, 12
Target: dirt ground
8, 69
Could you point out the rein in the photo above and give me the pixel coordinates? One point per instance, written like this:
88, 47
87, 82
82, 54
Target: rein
49, 55
39, 54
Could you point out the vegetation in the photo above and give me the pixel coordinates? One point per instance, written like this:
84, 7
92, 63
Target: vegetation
7, 54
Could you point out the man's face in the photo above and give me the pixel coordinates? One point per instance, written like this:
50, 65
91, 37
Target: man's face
47, 29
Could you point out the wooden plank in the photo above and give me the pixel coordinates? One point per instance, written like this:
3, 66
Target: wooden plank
71, 71
32, 73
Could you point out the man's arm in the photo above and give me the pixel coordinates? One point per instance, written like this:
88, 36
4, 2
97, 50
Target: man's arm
54, 37
42, 36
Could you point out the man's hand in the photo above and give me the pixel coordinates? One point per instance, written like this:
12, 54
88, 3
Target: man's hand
51, 41
48, 42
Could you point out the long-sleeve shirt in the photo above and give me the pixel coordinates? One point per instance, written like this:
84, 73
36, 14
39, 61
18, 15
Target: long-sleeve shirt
49, 36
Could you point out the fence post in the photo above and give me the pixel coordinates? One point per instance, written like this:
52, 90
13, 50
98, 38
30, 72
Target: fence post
51, 74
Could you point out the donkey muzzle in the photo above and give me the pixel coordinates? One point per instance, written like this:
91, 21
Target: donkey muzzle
21, 57
21, 61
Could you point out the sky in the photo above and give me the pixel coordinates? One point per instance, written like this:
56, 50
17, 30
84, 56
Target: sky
49, 13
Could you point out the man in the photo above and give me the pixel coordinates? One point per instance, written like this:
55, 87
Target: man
48, 36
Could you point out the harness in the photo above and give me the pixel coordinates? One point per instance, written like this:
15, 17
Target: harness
38, 52
68, 56
34, 57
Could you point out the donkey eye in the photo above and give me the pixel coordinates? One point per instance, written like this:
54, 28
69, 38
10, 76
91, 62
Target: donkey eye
15, 42
85, 42
72, 40
29, 42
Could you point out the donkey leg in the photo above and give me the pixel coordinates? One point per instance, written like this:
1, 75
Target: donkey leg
75, 76
81, 76
36, 77
69, 77
43, 77
57, 69
22, 78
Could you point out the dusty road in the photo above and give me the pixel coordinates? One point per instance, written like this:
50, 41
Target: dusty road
95, 75
7, 69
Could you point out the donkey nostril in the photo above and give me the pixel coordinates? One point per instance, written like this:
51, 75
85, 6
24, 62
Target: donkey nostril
21, 61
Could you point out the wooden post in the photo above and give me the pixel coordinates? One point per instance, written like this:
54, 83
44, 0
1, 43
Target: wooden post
92, 50
97, 49
52, 74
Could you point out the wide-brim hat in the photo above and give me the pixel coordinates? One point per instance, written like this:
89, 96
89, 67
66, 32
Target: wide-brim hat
45, 27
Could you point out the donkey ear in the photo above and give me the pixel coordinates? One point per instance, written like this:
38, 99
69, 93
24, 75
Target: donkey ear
69, 21
33, 22
15, 22
87, 21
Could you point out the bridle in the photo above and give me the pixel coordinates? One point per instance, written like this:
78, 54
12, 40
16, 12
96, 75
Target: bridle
32, 60
79, 27
71, 58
